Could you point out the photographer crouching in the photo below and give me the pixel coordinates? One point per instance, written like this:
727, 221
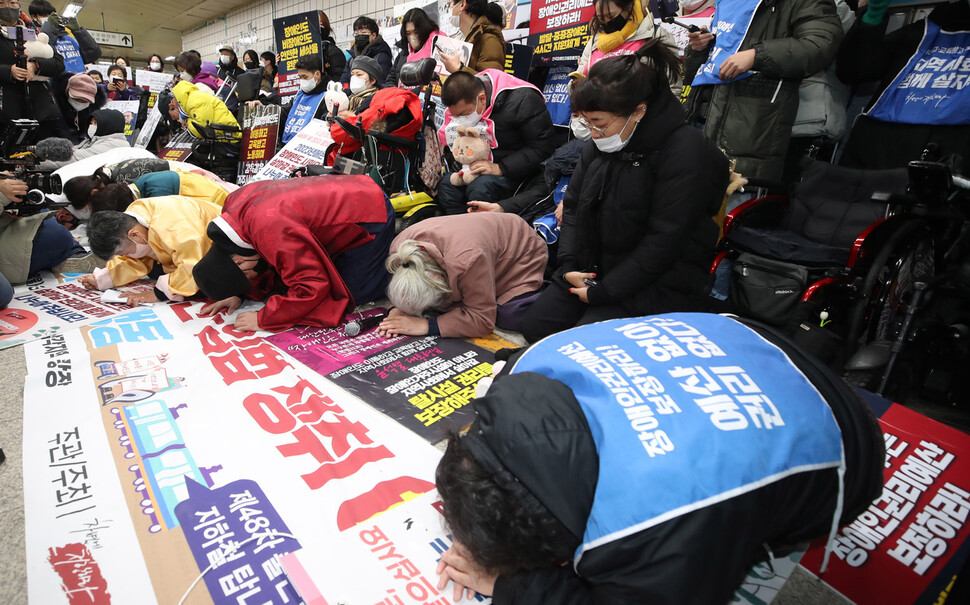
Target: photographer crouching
31, 239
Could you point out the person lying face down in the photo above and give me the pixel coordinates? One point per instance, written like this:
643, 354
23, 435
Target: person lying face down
314, 246
478, 270
604, 468
169, 231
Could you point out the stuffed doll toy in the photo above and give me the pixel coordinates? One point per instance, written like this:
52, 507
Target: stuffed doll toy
468, 148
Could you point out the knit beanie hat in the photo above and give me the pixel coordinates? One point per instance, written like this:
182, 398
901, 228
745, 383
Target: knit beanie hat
368, 65
82, 87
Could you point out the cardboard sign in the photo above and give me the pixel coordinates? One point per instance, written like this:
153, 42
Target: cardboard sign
559, 29
260, 129
296, 36
309, 146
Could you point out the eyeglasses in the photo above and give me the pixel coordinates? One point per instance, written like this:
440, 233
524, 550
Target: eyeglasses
602, 131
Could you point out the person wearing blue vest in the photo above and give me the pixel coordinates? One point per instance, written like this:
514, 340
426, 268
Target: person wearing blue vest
922, 98
308, 103
745, 73
72, 41
652, 460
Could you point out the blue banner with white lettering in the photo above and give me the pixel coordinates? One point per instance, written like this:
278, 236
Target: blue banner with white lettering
697, 406
556, 92
730, 24
303, 110
933, 87
69, 48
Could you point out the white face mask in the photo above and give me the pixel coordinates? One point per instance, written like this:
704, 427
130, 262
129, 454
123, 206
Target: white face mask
42, 20
225, 59
468, 120
690, 6
614, 143
357, 84
455, 20
82, 213
184, 75
78, 105
141, 251
92, 130
155, 65
580, 130
265, 63
310, 83
414, 42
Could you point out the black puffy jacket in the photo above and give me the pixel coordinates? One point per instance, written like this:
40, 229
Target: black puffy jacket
641, 218
698, 557
523, 129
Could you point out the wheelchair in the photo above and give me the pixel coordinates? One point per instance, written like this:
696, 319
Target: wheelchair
399, 164
830, 263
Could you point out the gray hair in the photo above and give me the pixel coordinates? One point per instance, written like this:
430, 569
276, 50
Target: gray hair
418, 283
108, 232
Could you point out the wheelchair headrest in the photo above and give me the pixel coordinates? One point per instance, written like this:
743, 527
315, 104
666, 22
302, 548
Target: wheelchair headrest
418, 73
247, 86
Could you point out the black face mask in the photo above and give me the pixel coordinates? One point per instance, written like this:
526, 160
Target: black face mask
250, 64
10, 15
615, 24
361, 41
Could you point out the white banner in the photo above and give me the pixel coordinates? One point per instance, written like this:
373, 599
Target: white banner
309, 146
47, 304
177, 444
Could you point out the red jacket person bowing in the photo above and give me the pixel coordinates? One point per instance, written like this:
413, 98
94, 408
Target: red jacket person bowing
315, 246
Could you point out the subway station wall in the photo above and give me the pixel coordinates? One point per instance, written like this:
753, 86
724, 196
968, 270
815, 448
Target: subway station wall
251, 26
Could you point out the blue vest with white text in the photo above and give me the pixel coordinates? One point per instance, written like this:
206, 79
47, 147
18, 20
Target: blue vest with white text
934, 87
686, 410
303, 110
730, 24
68, 48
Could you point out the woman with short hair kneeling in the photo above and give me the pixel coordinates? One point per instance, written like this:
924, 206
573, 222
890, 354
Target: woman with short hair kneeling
479, 270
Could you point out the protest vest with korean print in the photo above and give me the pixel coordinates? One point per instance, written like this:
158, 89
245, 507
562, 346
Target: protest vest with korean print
501, 82
69, 48
934, 87
693, 408
730, 24
304, 108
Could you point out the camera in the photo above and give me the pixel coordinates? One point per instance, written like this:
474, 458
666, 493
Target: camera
44, 181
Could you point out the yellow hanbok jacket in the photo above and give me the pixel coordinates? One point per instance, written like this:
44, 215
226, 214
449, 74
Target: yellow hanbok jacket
176, 233
189, 185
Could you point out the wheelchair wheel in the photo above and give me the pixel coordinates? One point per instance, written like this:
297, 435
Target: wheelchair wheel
906, 257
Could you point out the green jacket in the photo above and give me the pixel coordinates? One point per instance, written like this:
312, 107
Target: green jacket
16, 241
751, 119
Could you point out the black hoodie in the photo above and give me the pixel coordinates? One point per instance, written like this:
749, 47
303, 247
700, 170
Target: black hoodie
110, 121
538, 431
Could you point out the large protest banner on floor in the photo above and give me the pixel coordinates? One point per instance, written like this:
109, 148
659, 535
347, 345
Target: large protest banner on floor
47, 305
910, 544
425, 383
177, 445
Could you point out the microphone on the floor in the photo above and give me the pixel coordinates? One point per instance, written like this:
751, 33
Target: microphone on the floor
359, 326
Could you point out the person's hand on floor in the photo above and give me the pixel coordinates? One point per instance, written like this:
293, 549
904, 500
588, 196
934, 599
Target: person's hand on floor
397, 323
229, 304
247, 322
469, 577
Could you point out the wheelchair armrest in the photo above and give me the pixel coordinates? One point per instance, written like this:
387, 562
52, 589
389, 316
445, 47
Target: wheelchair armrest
353, 130
390, 140
759, 212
